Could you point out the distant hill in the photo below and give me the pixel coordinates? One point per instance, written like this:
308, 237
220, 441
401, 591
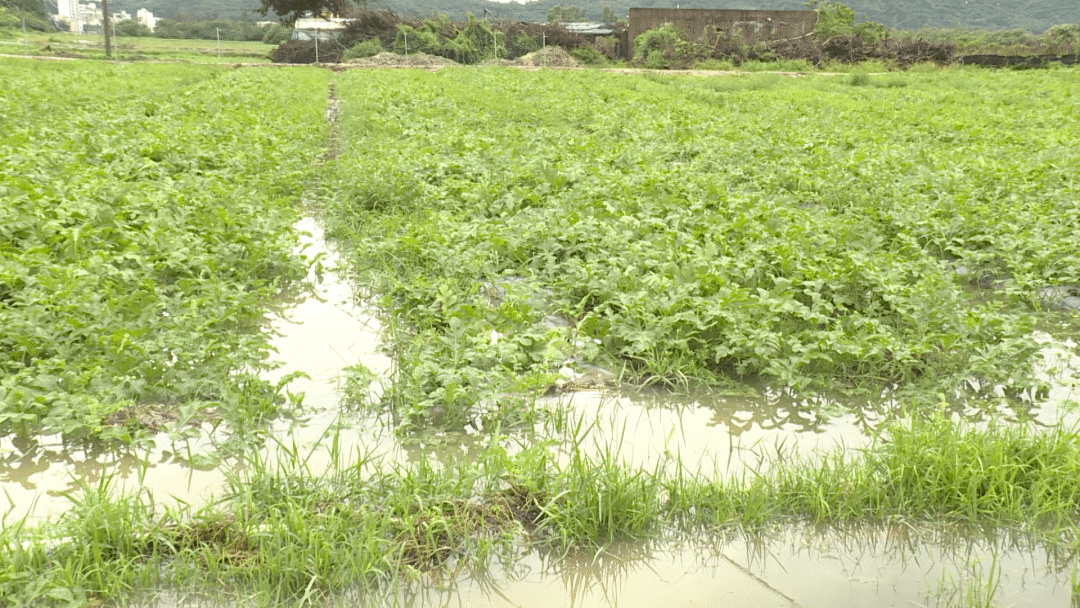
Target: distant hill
1033, 15
204, 9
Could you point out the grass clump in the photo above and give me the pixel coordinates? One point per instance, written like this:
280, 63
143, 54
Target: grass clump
930, 471
288, 533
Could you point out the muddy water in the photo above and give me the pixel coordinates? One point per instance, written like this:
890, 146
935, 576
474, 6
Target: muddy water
727, 432
715, 431
320, 337
317, 337
731, 432
794, 568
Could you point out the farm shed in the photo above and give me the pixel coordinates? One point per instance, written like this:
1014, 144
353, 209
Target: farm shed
323, 29
592, 29
595, 29
753, 26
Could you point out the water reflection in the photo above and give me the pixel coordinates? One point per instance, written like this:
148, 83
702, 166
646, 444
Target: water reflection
794, 567
857, 566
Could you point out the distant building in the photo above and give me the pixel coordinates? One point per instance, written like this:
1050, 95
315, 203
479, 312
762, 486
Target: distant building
146, 18
590, 28
324, 29
87, 17
752, 26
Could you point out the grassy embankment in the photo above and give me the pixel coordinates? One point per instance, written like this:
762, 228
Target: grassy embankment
689, 229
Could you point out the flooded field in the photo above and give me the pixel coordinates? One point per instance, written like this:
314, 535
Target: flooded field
726, 433
792, 568
624, 355
316, 337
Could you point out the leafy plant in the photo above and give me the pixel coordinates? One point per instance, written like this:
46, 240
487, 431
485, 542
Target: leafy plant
787, 249
367, 48
140, 278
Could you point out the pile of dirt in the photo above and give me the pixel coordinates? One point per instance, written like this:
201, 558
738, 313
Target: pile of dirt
393, 60
551, 56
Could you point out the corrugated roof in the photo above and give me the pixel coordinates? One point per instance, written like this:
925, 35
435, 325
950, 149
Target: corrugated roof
312, 24
589, 28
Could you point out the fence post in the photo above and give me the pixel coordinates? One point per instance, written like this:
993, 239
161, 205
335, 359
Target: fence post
406, 47
218, 44
317, 32
24, 36
105, 28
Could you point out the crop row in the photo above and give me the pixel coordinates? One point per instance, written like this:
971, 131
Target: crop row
145, 223
811, 232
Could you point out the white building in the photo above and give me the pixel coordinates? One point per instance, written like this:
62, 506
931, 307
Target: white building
146, 18
79, 15
310, 28
68, 10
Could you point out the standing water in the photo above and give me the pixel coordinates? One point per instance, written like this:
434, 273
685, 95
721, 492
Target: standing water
729, 432
317, 338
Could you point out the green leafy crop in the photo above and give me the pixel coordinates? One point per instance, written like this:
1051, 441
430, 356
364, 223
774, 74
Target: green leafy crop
807, 232
145, 223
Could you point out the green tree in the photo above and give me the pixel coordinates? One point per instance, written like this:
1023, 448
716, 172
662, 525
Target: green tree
276, 34
290, 10
609, 15
558, 14
30, 7
30, 12
834, 18
8, 22
1064, 38
132, 28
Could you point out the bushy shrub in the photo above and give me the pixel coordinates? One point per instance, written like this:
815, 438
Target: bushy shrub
132, 28
667, 47
276, 34
660, 39
8, 22
473, 43
869, 31
416, 40
367, 48
588, 55
210, 30
28, 13
521, 44
1063, 39
834, 19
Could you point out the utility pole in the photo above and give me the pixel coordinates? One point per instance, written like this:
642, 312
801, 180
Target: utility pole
105, 26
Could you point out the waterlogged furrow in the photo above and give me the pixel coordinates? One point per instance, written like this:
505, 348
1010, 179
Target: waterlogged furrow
146, 221
370, 528
808, 231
